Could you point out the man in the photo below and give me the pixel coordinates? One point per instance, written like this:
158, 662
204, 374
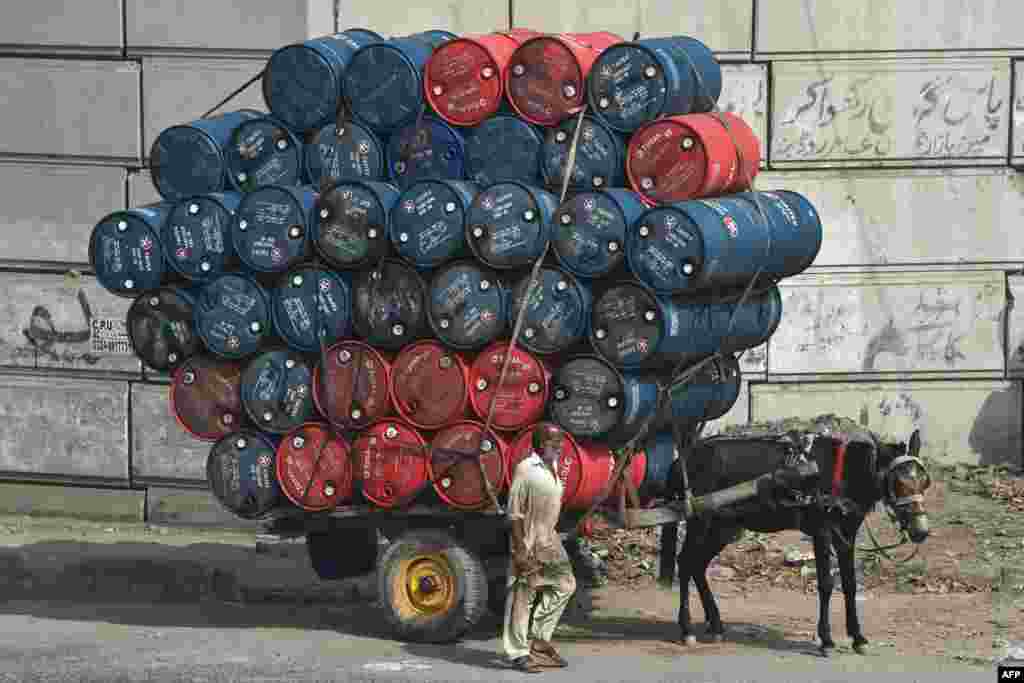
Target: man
539, 564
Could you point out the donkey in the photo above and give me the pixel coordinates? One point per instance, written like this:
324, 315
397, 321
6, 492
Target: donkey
852, 477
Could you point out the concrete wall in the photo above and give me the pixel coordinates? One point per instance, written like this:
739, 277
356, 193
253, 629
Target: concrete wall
902, 122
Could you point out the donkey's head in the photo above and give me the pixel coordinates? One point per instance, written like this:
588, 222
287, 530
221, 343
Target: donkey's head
902, 479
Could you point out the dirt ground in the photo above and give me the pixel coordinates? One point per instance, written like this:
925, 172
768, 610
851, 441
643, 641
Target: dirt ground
961, 596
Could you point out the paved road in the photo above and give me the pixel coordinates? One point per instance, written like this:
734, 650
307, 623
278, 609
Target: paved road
60, 643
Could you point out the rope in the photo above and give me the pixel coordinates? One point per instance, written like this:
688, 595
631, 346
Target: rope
238, 91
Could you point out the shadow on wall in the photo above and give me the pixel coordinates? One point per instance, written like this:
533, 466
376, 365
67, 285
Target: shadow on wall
995, 436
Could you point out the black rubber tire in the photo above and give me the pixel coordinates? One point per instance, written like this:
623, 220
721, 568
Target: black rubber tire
469, 587
342, 553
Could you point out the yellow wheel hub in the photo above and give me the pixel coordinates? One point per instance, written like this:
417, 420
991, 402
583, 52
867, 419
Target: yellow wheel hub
429, 584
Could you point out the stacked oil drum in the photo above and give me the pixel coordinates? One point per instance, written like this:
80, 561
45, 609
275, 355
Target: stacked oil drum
333, 285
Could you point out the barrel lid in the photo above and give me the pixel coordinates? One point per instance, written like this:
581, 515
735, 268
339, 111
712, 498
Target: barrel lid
570, 463
353, 154
263, 152
503, 148
126, 255
302, 327
523, 395
545, 81
277, 391
667, 161
241, 474
351, 225
628, 86
205, 397
388, 305
428, 224
463, 81
588, 398
628, 325
382, 86
314, 469
351, 385
590, 234
556, 314
468, 306
301, 87
197, 237
392, 460
666, 250
186, 160
425, 149
598, 155
232, 316
271, 229
428, 385
455, 454
160, 328
506, 226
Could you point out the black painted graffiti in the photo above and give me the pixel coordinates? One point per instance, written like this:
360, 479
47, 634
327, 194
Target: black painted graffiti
43, 335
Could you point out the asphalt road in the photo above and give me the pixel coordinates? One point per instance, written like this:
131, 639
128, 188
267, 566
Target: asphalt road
209, 642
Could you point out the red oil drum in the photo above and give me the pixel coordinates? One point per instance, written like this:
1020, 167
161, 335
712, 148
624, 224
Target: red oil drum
604, 467
429, 385
598, 40
353, 390
692, 156
454, 469
546, 77
391, 459
463, 77
524, 394
314, 468
206, 398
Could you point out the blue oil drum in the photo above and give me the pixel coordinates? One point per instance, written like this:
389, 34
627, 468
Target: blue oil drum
557, 311
796, 231
707, 394
364, 33
469, 306
589, 233
233, 316
302, 327
389, 304
161, 328
125, 250
273, 226
429, 149
600, 156
196, 236
428, 223
263, 152
592, 400
242, 473
189, 159
351, 229
277, 391
631, 84
302, 82
346, 152
504, 149
509, 224
383, 84
661, 452
700, 245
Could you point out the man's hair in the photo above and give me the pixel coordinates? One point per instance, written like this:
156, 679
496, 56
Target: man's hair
545, 432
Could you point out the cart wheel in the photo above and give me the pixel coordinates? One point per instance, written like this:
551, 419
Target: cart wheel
433, 588
342, 553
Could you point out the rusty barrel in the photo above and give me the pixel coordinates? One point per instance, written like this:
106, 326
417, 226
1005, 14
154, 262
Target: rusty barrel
350, 385
453, 466
391, 457
521, 400
277, 391
429, 385
314, 468
389, 305
161, 328
205, 397
241, 470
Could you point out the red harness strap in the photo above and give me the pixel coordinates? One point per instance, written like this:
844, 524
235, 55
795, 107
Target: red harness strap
838, 466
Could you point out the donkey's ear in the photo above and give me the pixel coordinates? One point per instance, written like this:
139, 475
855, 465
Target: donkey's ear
915, 444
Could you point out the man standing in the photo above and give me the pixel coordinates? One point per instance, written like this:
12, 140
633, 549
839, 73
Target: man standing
539, 564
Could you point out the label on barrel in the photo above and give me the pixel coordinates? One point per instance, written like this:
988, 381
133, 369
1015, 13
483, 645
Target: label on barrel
110, 336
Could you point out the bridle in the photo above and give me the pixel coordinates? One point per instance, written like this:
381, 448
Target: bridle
887, 481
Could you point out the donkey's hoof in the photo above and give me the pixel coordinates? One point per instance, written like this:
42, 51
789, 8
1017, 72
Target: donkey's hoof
717, 637
861, 647
690, 640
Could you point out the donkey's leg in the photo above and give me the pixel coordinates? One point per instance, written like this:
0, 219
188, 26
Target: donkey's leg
823, 565
716, 542
847, 573
695, 531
